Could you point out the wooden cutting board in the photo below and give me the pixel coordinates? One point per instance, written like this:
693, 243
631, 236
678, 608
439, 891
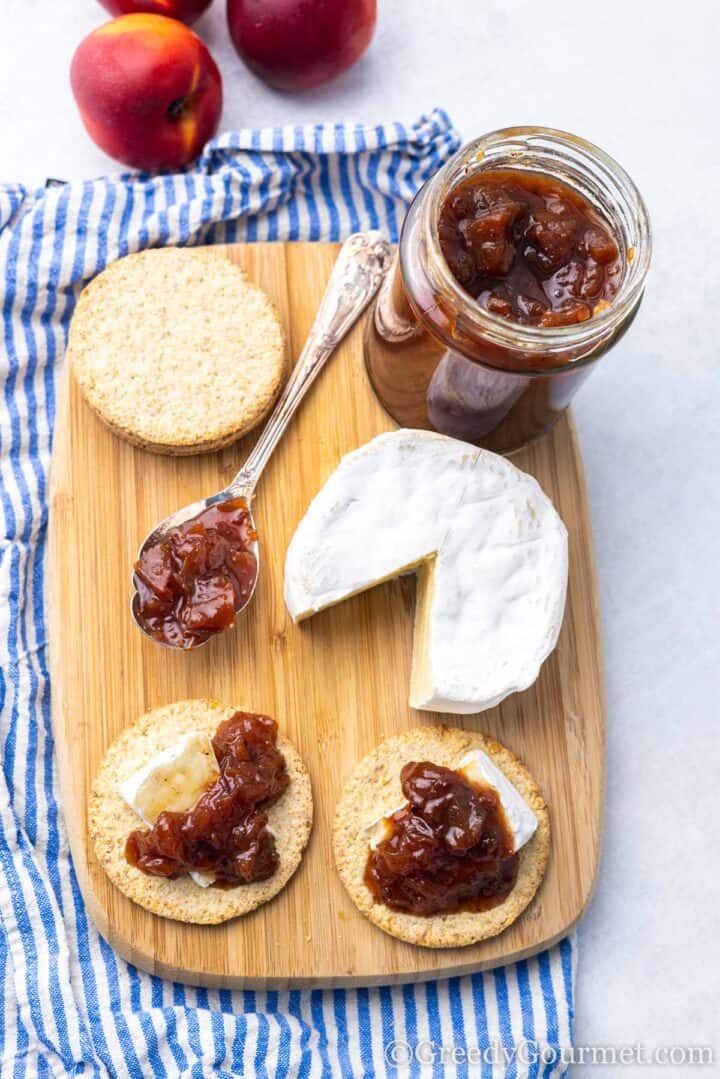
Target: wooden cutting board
337, 685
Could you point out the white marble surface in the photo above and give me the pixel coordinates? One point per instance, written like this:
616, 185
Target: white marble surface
641, 80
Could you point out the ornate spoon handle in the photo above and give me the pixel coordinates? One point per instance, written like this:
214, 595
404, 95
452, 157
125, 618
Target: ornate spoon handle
363, 261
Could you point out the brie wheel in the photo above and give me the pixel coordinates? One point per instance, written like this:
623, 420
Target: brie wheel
477, 768
173, 781
489, 549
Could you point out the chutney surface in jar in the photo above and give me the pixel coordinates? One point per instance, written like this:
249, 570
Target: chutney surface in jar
529, 248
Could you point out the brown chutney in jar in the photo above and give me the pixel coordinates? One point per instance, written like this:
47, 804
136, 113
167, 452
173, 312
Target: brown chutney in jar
529, 248
520, 264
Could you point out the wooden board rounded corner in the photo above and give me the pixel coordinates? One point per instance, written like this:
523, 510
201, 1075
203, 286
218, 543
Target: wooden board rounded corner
337, 684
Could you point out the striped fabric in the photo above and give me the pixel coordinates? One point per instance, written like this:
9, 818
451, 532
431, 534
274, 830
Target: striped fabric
69, 1006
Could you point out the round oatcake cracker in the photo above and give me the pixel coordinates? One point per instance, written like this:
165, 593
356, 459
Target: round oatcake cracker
373, 790
111, 820
176, 350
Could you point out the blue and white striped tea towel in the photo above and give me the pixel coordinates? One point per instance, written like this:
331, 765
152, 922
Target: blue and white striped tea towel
69, 1006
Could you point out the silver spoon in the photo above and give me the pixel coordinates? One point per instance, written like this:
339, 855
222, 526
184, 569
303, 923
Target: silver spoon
363, 261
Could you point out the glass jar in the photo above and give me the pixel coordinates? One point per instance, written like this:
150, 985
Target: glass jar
438, 360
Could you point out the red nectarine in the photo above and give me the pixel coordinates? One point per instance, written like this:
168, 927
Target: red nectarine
297, 44
148, 90
187, 10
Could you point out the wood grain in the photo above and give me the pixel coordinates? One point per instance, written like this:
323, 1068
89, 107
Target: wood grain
337, 685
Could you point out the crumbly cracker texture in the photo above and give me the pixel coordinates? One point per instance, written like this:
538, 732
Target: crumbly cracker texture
176, 350
373, 790
111, 820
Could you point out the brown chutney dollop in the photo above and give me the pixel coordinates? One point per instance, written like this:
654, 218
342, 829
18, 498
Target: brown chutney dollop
226, 831
449, 849
529, 248
191, 583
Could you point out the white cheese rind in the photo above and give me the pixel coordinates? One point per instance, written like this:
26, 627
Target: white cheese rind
478, 768
372, 521
173, 780
498, 597
490, 549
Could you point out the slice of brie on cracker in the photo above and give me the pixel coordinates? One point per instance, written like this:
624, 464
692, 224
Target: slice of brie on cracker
173, 781
478, 769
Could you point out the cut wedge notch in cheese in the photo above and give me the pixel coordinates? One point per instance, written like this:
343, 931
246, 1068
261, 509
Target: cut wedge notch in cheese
488, 546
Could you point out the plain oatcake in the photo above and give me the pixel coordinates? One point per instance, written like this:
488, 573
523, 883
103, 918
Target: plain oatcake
176, 350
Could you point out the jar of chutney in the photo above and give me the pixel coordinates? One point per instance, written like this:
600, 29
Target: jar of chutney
520, 264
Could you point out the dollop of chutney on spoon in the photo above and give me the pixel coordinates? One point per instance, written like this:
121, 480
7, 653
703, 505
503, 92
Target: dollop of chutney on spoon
191, 583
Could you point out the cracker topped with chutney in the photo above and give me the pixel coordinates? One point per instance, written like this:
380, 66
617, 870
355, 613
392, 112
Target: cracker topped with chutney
200, 812
441, 837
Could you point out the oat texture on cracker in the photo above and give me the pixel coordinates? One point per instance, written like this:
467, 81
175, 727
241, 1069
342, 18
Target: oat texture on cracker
176, 350
374, 790
111, 820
